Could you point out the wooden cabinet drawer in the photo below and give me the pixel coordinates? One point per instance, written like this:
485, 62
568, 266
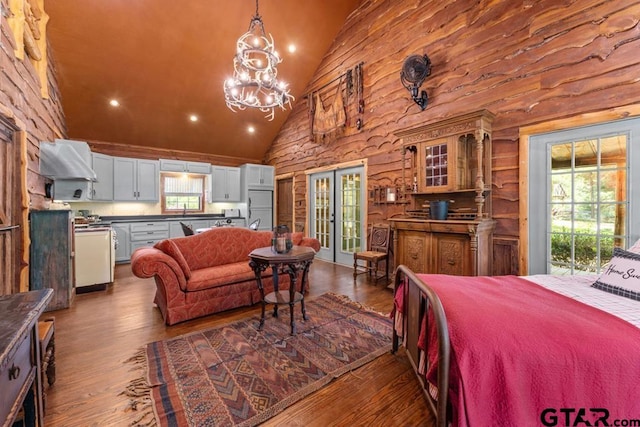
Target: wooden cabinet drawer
15, 375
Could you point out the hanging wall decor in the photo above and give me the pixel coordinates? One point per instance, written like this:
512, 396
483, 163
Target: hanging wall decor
332, 111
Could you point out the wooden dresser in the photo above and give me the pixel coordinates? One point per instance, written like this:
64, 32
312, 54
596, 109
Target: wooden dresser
20, 375
461, 248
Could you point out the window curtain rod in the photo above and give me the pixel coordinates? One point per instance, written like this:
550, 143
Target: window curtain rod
306, 95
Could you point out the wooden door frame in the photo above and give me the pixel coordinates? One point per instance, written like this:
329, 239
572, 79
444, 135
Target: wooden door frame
363, 163
291, 176
612, 114
21, 200
354, 163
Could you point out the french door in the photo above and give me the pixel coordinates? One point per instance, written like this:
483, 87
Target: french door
337, 213
586, 197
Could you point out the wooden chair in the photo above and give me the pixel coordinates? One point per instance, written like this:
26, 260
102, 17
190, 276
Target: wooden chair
378, 251
188, 231
46, 336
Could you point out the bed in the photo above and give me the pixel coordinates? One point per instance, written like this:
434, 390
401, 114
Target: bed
507, 350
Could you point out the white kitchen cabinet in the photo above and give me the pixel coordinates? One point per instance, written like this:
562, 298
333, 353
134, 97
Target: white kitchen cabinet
123, 248
102, 189
225, 184
147, 233
171, 165
257, 177
136, 180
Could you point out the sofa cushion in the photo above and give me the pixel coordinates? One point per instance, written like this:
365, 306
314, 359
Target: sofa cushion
221, 246
170, 248
226, 274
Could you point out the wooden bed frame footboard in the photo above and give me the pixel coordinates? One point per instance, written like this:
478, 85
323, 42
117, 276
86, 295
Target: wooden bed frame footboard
419, 299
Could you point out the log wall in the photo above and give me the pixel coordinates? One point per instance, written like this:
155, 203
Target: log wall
20, 94
526, 61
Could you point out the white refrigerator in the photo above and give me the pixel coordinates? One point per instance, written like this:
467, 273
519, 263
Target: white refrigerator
260, 205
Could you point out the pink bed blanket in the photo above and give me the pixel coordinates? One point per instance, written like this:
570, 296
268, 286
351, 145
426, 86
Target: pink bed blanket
522, 354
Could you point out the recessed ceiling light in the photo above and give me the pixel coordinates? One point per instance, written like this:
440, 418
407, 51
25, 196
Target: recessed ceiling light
251, 129
291, 48
114, 103
193, 118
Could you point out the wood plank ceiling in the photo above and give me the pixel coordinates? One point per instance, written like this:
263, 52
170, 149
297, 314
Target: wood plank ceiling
165, 60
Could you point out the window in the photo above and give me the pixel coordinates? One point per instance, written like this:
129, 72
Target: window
585, 205
182, 193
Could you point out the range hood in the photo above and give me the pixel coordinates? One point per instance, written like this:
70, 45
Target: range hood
66, 159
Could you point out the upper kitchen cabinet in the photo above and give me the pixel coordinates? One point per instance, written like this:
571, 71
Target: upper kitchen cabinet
225, 184
170, 165
136, 180
257, 177
102, 189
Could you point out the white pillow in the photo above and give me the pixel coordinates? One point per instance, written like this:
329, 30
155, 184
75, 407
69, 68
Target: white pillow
622, 275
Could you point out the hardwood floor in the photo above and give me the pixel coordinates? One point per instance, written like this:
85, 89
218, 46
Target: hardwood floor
103, 329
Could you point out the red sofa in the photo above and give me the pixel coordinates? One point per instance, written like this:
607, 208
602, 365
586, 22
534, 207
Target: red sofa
208, 272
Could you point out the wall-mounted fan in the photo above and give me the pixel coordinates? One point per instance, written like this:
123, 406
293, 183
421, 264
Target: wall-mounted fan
415, 69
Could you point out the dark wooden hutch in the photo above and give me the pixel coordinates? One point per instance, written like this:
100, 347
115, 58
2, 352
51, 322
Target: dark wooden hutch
450, 161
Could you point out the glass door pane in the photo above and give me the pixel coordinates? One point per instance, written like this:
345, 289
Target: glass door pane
350, 226
322, 213
587, 203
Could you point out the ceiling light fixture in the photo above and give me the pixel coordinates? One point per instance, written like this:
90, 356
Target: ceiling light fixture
114, 103
254, 83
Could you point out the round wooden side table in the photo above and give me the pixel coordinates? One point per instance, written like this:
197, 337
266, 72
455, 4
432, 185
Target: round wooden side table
291, 263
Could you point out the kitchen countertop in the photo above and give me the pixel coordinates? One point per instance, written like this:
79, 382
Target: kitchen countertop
106, 220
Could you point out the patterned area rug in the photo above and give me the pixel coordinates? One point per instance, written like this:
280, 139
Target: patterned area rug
237, 375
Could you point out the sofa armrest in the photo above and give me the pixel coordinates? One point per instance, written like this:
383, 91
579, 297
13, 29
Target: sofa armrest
148, 262
311, 242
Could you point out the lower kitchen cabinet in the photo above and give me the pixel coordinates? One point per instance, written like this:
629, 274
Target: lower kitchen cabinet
147, 233
462, 248
123, 248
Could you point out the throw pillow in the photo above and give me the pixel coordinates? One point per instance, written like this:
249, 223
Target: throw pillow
170, 248
622, 275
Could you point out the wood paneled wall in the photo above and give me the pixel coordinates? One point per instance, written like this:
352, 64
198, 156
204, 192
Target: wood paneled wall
140, 152
33, 118
20, 94
527, 61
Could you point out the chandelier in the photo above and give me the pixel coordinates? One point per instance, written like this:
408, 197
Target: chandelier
254, 83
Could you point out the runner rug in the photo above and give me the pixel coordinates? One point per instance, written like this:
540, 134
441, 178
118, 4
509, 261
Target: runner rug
237, 375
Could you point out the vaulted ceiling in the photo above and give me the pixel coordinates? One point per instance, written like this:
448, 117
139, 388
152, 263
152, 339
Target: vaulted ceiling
166, 60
